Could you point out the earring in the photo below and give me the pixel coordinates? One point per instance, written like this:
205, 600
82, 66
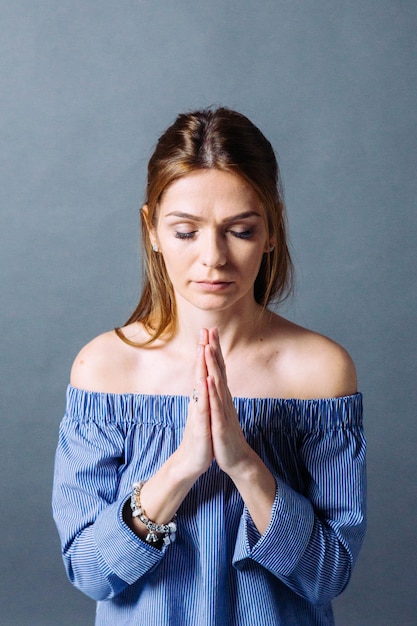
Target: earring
155, 247
272, 248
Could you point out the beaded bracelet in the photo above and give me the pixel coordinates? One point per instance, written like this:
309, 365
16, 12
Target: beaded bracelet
167, 530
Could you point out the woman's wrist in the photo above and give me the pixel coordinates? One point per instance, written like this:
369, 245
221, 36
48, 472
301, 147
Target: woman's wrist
185, 466
257, 486
160, 496
156, 531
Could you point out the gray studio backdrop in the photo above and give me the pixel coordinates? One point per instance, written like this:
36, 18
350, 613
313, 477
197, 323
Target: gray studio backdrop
86, 88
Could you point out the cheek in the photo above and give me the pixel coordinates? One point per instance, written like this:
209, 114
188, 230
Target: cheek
254, 257
176, 262
176, 256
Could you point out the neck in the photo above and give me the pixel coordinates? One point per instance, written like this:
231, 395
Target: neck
236, 326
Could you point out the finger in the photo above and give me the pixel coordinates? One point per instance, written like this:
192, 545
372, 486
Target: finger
199, 394
214, 398
203, 403
221, 412
213, 366
214, 357
201, 367
215, 343
204, 336
216, 373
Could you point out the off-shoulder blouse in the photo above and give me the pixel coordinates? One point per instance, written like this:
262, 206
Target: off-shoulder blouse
220, 571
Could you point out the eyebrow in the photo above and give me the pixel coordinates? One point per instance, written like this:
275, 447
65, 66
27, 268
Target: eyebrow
229, 220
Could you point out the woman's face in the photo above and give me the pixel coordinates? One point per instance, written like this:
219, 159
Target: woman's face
212, 236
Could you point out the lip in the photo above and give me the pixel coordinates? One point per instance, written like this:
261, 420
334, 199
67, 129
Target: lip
213, 285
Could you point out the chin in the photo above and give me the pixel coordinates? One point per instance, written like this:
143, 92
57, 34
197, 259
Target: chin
216, 304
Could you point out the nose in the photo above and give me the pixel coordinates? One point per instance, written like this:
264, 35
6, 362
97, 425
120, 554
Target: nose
214, 250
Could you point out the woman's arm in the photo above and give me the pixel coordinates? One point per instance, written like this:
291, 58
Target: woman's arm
310, 541
163, 493
233, 454
314, 538
102, 546
101, 554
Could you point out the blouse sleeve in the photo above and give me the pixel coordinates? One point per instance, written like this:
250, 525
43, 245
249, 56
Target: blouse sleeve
315, 534
100, 552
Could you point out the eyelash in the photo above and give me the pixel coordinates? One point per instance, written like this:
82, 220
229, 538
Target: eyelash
246, 234
180, 235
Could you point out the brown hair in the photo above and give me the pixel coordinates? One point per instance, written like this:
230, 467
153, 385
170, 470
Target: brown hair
225, 140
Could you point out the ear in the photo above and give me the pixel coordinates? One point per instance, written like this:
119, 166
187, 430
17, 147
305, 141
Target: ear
145, 213
269, 246
151, 230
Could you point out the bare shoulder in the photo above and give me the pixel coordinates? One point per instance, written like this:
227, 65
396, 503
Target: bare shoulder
313, 365
105, 363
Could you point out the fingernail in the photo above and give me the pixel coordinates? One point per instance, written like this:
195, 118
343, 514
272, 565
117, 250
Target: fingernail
216, 333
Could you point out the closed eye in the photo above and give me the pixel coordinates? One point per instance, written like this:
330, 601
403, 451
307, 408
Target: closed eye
245, 234
240, 234
182, 235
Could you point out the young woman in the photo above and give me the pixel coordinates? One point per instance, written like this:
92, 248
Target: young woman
210, 467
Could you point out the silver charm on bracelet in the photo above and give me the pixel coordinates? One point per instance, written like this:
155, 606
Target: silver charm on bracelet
155, 530
195, 395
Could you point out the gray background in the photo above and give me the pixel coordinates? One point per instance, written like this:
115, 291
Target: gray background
86, 88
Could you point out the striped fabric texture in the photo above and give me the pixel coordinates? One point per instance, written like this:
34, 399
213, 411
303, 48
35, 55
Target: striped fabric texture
220, 571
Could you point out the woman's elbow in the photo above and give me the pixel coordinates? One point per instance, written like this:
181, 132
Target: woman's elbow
94, 585
329, 585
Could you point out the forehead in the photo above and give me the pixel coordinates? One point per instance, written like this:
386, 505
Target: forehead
209, 190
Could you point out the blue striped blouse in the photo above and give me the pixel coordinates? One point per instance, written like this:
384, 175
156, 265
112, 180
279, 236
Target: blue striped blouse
220, 571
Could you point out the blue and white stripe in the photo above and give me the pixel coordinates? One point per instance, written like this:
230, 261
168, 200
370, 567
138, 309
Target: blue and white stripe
220, 571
